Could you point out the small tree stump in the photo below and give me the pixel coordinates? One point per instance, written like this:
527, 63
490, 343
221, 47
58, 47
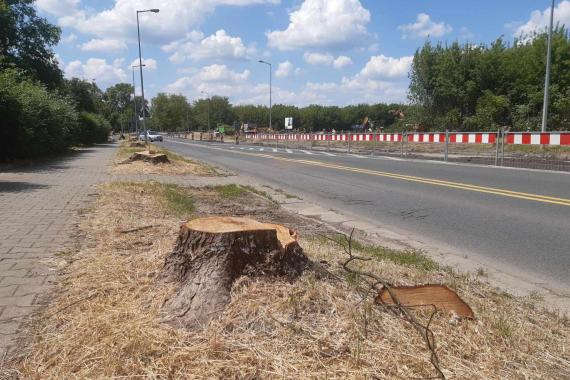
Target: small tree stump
136, 144
153, 158
211, 253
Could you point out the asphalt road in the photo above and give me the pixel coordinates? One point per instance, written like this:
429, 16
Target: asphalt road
518, 218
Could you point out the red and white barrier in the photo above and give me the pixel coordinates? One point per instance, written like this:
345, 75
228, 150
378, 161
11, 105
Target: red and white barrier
512, 138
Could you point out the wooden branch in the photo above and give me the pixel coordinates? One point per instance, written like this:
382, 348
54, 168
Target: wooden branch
425, 332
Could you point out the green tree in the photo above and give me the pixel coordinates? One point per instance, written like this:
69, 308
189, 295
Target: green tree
480, 87
118, 106
221, 111
170, 112
86, 95
26, 42
35, 122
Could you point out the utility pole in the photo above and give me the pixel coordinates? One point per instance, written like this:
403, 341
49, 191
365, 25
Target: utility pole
141, 72
547, 76
135, 102
269, 64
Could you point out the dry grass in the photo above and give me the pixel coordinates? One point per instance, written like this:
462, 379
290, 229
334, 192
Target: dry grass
105, 320
178, 165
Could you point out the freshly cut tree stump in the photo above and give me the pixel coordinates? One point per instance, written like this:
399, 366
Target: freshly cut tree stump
153, 158
211, 253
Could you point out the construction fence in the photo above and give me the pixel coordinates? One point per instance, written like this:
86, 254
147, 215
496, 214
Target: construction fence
548, 151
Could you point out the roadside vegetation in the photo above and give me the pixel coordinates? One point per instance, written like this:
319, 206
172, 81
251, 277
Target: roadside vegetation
42, 112
463, 87
106, 318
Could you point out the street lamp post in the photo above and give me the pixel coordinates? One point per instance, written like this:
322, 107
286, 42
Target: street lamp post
547, 76
135, 102
141, 71
269, 64
208, 95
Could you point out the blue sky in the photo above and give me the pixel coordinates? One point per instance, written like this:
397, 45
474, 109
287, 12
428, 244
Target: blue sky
322, 51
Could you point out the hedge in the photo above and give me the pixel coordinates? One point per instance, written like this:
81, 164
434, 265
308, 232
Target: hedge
37, 122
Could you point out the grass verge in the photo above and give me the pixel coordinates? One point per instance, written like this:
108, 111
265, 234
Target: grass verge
236, 191
178, 165
106, 321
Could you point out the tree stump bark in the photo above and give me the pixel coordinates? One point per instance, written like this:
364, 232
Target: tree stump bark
211, 253
147, 156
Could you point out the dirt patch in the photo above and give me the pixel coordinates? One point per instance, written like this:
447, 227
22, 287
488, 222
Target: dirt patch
106, 319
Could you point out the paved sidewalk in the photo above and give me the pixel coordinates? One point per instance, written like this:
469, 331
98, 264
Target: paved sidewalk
38, 207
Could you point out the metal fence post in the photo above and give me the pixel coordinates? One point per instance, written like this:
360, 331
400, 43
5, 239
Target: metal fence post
446, 152
374, 142
503, 147
349, 136
402, 144
497, 147
328, 137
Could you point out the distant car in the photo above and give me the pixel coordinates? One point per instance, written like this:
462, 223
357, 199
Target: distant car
152, 136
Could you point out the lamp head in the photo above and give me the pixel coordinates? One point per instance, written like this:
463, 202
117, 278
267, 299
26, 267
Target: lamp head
155, 10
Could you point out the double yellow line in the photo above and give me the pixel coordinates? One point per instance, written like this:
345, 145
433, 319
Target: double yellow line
429, 181
436, 182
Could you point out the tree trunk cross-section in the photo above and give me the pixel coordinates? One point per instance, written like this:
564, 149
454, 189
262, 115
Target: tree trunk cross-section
211, 253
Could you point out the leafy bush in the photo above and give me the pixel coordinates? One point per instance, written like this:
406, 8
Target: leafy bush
92, 128
35, 122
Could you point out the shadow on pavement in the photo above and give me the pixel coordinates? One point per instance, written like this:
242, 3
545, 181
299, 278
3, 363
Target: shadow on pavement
51, 163
20, 187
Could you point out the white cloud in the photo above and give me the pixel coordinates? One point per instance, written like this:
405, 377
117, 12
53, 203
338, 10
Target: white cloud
217, 72
57, 7
374, 47
284, 69
327, 59
387, 67
176, 17
382, 79
318, 58
342, 61
324, 86
222, 81
538, 20
424, 27
373, 90
323, 23
103, 45
215, 79
219, 46
69, 38
98, 69
150, 64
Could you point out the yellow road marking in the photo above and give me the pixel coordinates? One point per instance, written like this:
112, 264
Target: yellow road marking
430, 181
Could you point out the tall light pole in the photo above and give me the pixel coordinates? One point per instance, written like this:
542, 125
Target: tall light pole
547, 76
135, 101
208, 95
269, 64
141, 71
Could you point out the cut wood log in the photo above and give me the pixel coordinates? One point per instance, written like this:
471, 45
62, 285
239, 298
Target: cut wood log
153, 158
211, 253
440, 296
